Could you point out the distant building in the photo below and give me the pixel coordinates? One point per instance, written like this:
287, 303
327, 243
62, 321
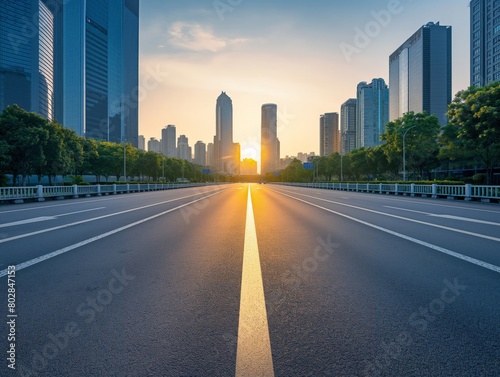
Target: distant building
269, 139
210, 154
225, 159
248, 167
200, 153
348, 112
420, 73
142, 143
372, 112
168, 140
329, 135
484, 42
27, 59
183, 149
154, 145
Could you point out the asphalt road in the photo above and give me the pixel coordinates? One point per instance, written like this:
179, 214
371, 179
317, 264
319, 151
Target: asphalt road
296, 282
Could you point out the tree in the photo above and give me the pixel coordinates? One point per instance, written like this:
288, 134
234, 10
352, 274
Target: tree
26, 133
420, 132
474, 125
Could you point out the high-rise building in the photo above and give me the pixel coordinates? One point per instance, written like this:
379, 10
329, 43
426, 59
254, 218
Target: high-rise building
168, 140
248, 166
484, 42
200, 153
329, 136
183, 149
210, 154
372, 112
269, 139
154, 145
348, 125
27, 32
100, 56
141, 143
420, 73
224, 150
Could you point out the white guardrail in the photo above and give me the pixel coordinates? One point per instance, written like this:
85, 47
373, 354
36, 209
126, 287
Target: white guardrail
40, 193
465, 192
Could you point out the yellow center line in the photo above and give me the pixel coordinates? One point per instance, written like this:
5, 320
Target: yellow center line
253, 355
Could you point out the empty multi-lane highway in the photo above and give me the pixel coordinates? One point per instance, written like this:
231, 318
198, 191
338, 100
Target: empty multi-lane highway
251, 280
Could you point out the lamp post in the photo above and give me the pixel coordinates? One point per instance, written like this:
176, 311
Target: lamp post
404, 151
124, 153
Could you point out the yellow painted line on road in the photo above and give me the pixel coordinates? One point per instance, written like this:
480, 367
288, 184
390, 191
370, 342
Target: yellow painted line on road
253, 355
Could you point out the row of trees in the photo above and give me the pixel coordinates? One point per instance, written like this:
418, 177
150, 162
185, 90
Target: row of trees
470, 139
31, 144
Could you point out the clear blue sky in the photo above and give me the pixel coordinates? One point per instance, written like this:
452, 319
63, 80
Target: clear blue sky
292, 53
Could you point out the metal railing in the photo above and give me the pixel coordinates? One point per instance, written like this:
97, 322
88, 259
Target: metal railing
465, 192
42, 192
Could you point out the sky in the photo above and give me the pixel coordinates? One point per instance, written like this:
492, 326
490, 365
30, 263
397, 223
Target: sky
305, 56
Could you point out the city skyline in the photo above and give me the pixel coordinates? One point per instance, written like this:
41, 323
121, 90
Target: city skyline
194, 52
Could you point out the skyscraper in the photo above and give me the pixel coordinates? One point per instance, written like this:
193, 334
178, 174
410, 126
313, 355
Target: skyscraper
420, 73
27, 55
329, 135
269, 139
484, 42
348, 126
183, 149
372, 112
210, 154
100, 50
223, 142
200, 153
154, 145
168, 140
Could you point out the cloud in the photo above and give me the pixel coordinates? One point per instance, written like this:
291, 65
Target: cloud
194, 37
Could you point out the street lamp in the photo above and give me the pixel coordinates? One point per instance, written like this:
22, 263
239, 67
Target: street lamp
404, 150
124, 153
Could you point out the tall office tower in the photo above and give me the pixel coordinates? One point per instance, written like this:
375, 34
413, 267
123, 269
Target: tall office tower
210, 154
420, 73
484, 42
329, 136
224, 150
183, 149
141, 143
100, 56
269, 139
372, 112
27, 55
168, 140
154, 145
200, 153
348, 125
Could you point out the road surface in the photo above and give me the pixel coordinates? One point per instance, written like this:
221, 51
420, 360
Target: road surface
250, 280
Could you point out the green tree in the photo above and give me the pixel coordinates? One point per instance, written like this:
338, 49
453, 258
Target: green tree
26, 133
474, 125
422, 132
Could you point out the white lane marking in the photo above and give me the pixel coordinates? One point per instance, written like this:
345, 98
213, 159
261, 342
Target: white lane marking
44, 218
28, 221
454, 254
404, 218
253, 355
450, 217
95, 218
53, 254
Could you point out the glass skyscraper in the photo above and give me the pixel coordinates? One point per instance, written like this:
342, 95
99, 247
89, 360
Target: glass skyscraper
329, 135
420, 73
484, 42
269, 139
100, 50
372, 112
223, 141
27, 56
